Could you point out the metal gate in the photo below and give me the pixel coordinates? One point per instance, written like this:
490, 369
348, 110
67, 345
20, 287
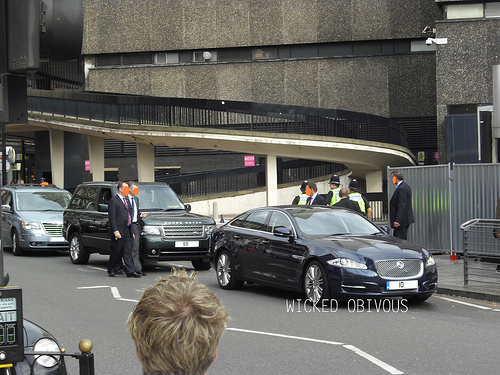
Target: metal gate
444, 197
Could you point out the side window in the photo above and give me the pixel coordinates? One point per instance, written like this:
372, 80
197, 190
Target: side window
91, 198
7, 198
104, 196
239, 222
279, 219
77, 198
256, 220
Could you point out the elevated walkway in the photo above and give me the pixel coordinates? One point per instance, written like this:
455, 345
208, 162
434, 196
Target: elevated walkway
364, 143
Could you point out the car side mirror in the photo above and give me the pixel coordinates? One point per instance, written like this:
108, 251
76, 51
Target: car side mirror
102, 207
385, 229
6, 208
282, 232
188, 207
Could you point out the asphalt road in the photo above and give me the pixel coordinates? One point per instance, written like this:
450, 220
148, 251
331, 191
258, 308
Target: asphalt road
270, 331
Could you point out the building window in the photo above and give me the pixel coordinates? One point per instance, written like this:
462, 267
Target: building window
166, 58
461, 11
492, 10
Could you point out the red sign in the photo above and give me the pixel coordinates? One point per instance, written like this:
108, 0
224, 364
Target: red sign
249, 160
87, 165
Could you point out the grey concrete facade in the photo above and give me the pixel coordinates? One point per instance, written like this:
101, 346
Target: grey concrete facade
396, 85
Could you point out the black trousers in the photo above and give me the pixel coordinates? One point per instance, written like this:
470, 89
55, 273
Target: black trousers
401, 232
121, 248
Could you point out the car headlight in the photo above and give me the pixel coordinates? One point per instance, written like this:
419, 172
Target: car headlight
30, 225
46, 345
151, 230
430, 261
209, 229
347, 263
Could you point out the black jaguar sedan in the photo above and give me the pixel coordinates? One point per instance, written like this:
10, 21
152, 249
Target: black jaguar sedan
324, 252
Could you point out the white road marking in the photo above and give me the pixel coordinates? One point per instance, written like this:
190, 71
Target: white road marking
284, 336
465, 303
359, 352
114, 291
376, 361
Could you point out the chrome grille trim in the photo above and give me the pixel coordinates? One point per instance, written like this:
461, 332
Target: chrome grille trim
391, 269
53, 229
183, 231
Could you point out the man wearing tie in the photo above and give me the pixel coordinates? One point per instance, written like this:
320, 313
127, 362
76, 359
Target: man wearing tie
120, 232
136, 226
315, 198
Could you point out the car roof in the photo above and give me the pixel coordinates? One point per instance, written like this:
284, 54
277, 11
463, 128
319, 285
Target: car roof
35, 187
114, 183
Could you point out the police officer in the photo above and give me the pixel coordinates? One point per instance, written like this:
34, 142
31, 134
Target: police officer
356, 196
333, 195
301, 199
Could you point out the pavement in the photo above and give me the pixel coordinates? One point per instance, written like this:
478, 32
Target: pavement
483, 284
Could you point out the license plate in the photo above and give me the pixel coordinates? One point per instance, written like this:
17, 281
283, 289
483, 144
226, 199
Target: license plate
402, 285
57, 239
187, 243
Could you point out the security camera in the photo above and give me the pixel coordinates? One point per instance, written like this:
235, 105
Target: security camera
428, 41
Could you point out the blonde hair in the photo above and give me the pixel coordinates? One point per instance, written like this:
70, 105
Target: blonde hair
177, 325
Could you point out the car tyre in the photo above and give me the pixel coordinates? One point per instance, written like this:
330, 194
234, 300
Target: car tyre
201, 264
225, 270
316, 286
17, 250
77, 252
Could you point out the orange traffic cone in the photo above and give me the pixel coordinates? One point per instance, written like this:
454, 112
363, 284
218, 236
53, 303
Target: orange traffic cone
453, 255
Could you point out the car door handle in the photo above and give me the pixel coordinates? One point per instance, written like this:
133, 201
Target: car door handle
265, 242
236, 237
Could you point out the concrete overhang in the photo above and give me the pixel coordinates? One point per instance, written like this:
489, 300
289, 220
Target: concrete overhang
358, 155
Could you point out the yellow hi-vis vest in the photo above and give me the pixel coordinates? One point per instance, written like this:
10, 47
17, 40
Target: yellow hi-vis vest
335, 196
356, 197
303, 199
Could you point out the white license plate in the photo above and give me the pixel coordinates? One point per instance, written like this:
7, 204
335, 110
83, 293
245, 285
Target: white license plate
57, 239
402, 285
187, 243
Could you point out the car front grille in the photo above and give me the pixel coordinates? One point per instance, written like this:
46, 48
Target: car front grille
183, 231
53, 229
400, 268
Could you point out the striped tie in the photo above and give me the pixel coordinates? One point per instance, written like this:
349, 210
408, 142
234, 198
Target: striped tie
129, 220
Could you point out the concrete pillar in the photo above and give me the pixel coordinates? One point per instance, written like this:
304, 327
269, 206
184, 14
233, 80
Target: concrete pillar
496, 101
271, 180
56, 138
145, 162
374, 182
96, 157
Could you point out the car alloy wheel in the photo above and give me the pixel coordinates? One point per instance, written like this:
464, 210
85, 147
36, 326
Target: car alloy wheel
225, 272
16, 249
315, 283
77, 252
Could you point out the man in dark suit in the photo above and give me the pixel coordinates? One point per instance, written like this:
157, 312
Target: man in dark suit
401, 212
315, 198
120, 232
137, 225
346, 202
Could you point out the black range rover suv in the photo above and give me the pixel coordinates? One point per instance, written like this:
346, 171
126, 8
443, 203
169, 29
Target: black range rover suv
170, 231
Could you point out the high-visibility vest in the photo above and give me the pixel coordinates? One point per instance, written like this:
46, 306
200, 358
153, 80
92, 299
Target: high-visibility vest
356, 197
335, 196
303, 199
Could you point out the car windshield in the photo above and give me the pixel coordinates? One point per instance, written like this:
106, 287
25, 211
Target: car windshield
42, 200
158, 198
330, 222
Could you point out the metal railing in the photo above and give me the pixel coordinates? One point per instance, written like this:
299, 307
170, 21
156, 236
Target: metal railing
216, 114
481, 254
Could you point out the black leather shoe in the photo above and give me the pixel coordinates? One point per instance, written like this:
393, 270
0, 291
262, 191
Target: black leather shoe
119, 272
112, 274
143, 273
133, 274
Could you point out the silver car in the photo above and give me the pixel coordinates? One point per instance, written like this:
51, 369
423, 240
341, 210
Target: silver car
32, 218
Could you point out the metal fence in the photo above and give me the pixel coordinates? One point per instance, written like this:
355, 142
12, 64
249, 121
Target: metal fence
216, 114
481, 251
444, 197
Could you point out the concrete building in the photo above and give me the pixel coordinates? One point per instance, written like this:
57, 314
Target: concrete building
425, 64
